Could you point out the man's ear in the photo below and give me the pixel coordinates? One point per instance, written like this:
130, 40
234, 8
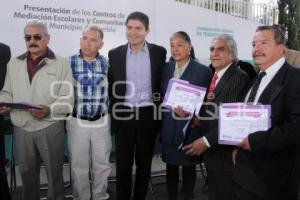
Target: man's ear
101, 44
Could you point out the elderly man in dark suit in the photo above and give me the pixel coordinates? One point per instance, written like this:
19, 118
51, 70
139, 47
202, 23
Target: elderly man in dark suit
134, 80
4, 58
228, 85
267, 163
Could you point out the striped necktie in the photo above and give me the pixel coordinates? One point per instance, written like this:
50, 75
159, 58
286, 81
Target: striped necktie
212, 86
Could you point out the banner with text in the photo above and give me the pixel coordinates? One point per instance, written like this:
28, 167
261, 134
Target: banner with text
66, 19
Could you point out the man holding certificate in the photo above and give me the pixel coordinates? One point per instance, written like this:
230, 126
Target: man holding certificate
267, 162
228, 85
42, 77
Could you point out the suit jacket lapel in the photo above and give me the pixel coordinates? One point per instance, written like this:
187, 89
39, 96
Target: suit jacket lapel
274, 87
224, 80
153, 64
123, 63
187, 72
171, 71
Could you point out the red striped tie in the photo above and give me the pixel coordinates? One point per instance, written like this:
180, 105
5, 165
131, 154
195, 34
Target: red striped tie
212, 86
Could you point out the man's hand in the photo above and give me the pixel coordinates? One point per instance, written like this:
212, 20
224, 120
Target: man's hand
180, 112
4, 110
245, 144
40, 113
195, 148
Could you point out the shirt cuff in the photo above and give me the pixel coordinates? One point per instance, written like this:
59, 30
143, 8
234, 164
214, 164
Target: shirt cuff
206, 141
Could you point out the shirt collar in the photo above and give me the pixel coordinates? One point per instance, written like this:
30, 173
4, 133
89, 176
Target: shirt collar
48, 54
183, 67
222, 71
144, 49
81, 56
273, 69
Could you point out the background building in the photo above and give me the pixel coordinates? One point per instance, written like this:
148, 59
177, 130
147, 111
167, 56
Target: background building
261, 11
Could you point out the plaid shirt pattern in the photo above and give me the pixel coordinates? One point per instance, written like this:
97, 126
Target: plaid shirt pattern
90, 85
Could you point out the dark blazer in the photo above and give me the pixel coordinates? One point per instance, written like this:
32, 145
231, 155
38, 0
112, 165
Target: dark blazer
230, 88
245, 66
117, 72
171, 129
4, 58
271, 169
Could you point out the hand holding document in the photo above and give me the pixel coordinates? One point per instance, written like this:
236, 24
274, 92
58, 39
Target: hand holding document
184, 95
238, 120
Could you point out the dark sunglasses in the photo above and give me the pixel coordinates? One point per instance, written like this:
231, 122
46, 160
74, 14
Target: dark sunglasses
36, 37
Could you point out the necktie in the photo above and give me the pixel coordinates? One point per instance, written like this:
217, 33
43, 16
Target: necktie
255, 87
212, 87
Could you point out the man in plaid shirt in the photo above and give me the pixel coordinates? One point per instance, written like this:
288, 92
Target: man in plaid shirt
89, 127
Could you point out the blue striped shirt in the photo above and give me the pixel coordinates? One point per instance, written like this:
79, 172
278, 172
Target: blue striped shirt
90, 85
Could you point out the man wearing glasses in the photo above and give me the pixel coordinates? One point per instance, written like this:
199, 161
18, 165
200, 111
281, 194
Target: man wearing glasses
44, 79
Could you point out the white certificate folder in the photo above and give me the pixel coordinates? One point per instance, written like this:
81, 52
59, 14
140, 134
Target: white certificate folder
181, 93
238, 120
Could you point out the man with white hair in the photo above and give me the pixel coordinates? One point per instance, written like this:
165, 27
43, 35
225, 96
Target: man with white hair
227, 86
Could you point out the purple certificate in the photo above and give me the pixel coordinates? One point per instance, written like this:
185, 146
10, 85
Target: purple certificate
181, 93
21, 105
238, 120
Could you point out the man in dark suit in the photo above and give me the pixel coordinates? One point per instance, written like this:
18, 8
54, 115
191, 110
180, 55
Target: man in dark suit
245, 66
4, 58
267, 162
134, 81
227, 86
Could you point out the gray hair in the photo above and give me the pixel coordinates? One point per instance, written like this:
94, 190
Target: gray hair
95, 28
230, 44
36, 23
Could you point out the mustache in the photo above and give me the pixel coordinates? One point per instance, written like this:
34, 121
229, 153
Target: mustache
259, 54
33, 45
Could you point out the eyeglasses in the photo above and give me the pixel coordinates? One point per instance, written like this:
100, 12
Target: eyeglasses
36, 37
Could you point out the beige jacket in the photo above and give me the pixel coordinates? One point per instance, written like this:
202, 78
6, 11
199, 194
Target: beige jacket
50, 86
292, 57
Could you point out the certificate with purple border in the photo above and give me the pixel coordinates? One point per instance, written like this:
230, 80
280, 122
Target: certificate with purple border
238, 120
21, 105
181, 93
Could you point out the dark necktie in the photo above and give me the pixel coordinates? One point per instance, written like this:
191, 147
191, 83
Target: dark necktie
255, 87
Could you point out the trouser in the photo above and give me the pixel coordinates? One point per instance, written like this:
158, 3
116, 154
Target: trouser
188, 181
90, 147
4, 193
135, 138
221, 185
46, 145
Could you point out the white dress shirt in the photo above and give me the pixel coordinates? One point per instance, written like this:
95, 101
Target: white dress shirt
220, 74
270, 73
